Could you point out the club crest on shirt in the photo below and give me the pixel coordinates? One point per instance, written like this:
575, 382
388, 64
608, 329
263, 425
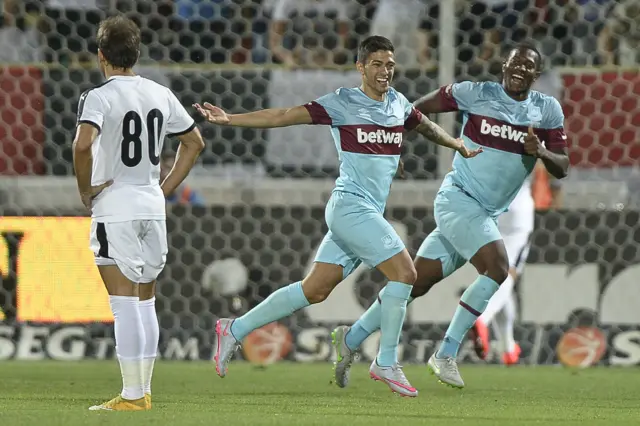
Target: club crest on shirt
389, 241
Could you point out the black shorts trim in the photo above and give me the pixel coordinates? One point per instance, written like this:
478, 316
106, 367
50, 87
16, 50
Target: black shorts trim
521, 258
101, 236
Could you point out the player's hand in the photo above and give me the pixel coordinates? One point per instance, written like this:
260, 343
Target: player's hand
88, 197
213, 114
466, 152
532, 144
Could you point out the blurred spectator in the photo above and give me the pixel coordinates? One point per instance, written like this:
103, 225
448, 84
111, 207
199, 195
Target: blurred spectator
309, 32
406, 24
567, 31
217, 31
19, 40
546, 191
489, 25
70, 28
192, 10
619, 40
184, 194
550, 83
154, 19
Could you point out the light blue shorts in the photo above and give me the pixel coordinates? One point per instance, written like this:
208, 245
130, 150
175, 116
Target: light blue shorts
358, 233
463, 227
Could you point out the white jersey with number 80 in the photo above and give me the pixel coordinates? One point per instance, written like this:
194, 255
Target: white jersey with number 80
133, 115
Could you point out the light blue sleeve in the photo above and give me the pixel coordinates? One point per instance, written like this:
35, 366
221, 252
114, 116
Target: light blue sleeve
328, 109
553, 114
465, 94
553, 123
412, 116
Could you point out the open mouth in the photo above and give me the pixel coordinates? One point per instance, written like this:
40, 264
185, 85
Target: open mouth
383, 81
518, 78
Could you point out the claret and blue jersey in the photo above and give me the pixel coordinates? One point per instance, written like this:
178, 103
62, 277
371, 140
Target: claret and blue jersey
498, 123
478, 189
368, 136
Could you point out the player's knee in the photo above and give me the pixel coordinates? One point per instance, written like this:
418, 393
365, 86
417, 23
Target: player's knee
497, 271
429, 273
316, 294
423, 285
492, 261
420, 288
321, 281
147, 290
408, 275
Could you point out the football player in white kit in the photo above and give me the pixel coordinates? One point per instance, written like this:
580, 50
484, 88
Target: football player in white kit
122, 124
516, 226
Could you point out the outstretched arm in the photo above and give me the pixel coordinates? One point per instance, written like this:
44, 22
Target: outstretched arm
264, 119
435, 133
432, 103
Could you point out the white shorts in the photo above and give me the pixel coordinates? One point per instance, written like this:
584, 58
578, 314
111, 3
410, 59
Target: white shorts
137, 247
517, 244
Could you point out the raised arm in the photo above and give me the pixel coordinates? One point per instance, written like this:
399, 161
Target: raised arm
432, 103
453, 97
264, 119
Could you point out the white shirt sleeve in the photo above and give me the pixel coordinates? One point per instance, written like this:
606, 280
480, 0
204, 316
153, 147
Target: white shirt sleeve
281, 10
180, 122
91, 110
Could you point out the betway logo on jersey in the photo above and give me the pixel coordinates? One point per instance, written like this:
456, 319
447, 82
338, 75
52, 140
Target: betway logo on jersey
504, 131
371, 139
379, 136
498, 134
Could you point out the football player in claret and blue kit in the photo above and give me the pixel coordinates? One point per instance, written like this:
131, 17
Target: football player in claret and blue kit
367, 125
516, 127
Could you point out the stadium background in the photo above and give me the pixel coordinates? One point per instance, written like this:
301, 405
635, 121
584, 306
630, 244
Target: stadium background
263, 192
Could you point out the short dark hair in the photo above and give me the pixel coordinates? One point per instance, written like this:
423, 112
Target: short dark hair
372, 44
527, 45
119, 41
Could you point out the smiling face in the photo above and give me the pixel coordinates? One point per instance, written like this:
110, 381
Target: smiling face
520, 71
377, 71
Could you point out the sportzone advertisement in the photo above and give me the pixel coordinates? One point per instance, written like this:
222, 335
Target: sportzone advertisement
576, 299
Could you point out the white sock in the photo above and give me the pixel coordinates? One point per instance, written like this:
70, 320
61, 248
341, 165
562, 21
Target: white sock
510, 319
152, 336
498, 300
129, 344
497, 327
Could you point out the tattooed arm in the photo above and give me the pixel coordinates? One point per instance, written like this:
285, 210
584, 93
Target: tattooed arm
436, 134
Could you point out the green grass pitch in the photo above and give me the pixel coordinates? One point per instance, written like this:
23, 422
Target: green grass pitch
58, 394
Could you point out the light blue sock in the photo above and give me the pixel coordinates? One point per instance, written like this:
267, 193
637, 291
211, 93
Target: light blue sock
394, 307
278, 305
367, 324
472, 303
